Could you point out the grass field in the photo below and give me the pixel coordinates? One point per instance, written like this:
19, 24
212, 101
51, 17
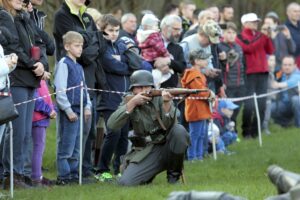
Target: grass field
243, 173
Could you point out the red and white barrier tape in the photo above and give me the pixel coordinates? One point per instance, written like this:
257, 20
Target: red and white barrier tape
193, 98
41, 97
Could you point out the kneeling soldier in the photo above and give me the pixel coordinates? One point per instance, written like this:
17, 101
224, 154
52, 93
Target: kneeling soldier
162, 142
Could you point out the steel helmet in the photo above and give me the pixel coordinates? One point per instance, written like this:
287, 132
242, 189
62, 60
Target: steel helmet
141, 78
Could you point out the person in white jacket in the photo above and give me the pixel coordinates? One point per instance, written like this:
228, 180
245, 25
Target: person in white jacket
7, 65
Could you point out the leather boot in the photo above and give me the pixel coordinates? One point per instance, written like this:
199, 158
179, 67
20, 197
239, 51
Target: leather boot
19, 182
174, 167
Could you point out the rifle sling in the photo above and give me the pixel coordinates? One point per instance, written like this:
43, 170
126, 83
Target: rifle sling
160, 120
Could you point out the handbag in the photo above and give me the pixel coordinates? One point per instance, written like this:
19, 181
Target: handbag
8, 111
135, 61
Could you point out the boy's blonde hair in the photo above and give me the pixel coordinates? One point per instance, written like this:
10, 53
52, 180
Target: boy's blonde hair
72, 37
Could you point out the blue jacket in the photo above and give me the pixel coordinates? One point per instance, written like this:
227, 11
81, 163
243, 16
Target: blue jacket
69, 74
117, 75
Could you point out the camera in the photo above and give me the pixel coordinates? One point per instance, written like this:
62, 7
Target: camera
280, 28
26, 2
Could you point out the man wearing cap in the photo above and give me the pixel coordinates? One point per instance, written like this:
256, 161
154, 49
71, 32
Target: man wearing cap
207, 35
159, 142
256, 46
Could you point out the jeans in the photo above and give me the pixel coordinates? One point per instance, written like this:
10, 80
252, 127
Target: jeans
89, 134
235, 92
220, 146
284, 112
229, 137
38, 139
21, 131
68, 147
115, 142
267, 116
2, 129
255, 83
198, 130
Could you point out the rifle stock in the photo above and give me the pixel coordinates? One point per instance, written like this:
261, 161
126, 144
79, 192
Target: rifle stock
173, 92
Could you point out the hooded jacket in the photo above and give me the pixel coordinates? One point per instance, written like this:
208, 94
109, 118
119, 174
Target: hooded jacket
255, 46
195, 110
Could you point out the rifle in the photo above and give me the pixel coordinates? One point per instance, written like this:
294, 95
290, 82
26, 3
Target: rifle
173, 92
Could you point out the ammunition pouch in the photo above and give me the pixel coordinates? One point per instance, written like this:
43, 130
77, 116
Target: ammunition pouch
138, 141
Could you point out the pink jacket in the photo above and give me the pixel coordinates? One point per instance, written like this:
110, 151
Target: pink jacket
42, 114
153, 47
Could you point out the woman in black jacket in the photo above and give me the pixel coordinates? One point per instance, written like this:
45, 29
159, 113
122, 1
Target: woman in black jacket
26, 43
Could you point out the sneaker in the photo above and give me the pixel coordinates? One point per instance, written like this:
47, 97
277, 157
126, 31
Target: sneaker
48, 182
84, 181
118, 175
28, 180
104, 177
62, 182
267, 131
88, 174
43, 182
229, 153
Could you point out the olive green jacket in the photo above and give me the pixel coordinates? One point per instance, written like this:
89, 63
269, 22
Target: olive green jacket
143, 118
144, 122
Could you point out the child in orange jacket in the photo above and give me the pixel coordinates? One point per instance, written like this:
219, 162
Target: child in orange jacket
197, 111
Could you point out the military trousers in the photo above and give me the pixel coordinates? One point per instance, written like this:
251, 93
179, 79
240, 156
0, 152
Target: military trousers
162, 157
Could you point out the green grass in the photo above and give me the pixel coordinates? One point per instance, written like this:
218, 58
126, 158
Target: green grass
243, 173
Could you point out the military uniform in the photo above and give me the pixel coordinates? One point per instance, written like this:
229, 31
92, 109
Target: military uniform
161, 149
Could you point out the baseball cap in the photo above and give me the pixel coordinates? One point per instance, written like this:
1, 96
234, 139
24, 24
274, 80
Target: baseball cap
227, 104
213, 31
249, 17
149, 20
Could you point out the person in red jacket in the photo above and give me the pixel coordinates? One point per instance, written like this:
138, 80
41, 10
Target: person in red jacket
256, 46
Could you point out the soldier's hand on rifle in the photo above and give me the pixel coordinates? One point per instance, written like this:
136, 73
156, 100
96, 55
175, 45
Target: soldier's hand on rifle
140, 99
137, 100
167, 97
